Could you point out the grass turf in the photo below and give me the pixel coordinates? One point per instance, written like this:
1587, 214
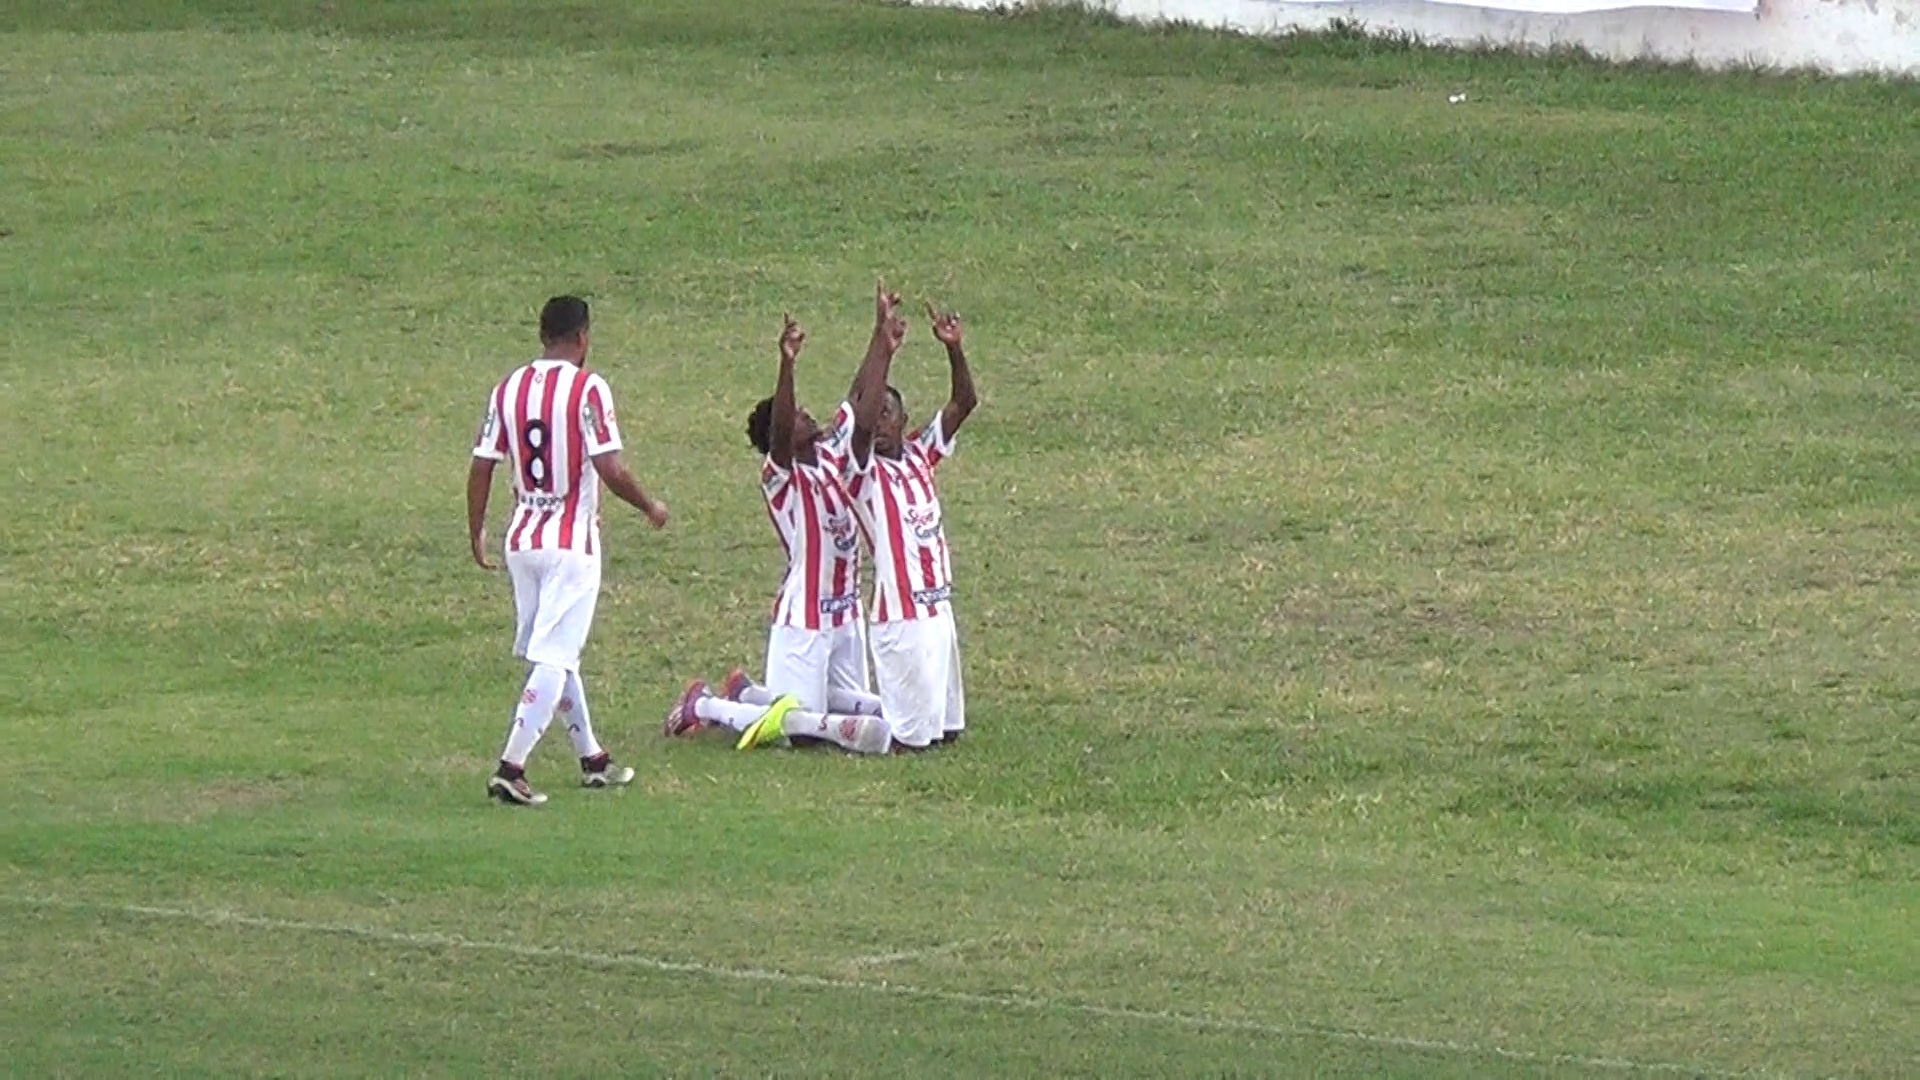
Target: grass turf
1437, 581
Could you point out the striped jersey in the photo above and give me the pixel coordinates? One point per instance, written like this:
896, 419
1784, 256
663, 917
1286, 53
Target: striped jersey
899, 509
546, 419
813, 516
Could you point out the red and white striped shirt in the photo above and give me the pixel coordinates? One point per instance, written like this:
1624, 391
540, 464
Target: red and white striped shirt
899, 508
812, 514
548, 418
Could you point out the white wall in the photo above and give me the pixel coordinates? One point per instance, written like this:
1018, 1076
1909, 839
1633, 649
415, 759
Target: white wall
1840, 36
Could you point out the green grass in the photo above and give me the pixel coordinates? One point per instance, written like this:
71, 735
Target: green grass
1438, 582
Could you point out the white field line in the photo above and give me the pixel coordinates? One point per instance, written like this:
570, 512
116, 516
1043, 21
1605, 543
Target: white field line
883, 959
215, 917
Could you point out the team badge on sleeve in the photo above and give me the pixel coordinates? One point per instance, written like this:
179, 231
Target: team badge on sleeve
597, 420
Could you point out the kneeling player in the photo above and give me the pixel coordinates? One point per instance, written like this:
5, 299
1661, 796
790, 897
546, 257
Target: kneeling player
916, 647
816, 649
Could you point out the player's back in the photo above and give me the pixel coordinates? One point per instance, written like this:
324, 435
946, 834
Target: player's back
546, 419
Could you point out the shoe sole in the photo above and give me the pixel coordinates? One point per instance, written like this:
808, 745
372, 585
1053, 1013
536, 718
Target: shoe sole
510, 797
750, 739
620, 776
681, 720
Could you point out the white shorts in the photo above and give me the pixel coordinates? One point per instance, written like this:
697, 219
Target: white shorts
554, 593
809, 663
917, 662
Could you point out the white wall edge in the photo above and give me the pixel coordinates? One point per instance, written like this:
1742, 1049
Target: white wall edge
1840, 37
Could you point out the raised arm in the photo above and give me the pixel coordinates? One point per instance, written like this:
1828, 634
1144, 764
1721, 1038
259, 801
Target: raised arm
962, 398
870, 386
780, 437
882, 344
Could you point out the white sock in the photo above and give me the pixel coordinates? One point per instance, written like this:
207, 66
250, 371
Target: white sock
853, 702
873, 736
573, 712
545, 684
838, 700
738, 715
860, 734
755, 694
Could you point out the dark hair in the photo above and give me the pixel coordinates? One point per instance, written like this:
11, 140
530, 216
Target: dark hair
898, 401
563, 317
760, 426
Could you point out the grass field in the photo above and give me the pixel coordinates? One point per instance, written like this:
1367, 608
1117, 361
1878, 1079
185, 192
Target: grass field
1438, 583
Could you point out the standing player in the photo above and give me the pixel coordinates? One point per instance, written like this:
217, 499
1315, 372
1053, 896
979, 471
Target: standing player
916, 649
816, 650
552, 418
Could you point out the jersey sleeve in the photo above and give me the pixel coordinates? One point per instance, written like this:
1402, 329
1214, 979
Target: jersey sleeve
491, 443
933, 440
775, 482
598, 424
851, 467
837, 441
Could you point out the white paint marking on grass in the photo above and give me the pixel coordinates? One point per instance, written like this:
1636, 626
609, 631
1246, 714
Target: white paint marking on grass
883, 959
1026, 1003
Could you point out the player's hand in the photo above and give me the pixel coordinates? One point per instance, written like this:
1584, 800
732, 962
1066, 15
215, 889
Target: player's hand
886, 305
946, 328
791, 338
480, 551
896, 331
657, 514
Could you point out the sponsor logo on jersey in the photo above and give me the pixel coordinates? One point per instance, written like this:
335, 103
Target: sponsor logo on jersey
925, 521
542, 503
845, 539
